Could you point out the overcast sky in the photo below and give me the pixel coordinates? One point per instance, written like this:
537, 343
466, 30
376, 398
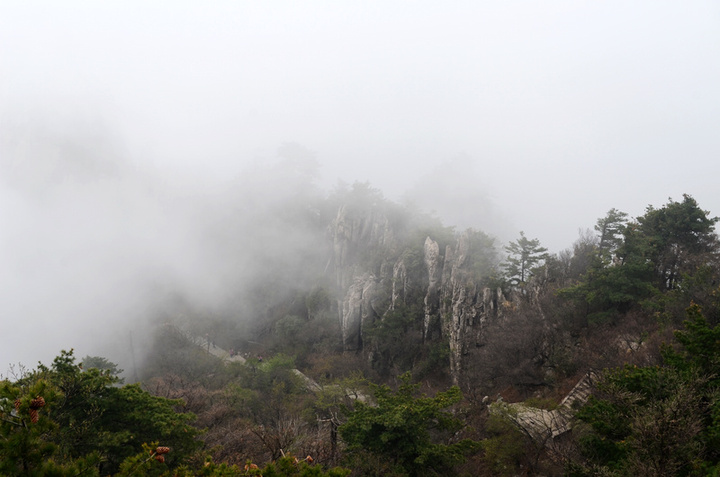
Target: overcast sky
507, 116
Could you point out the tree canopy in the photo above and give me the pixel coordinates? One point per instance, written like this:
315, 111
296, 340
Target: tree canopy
85, 419
407, 431
654, 254
658, 420
524, 255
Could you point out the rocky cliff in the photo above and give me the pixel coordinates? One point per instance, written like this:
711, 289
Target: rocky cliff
463, 302
374, 273
360, 237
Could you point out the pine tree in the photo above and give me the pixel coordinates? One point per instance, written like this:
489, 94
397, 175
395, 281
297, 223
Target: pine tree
524, 256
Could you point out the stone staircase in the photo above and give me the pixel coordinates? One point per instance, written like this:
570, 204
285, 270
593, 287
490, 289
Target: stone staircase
543, 424
579, 394
224, 355
211, 348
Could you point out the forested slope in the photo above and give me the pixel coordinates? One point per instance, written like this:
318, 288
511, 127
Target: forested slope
382, 301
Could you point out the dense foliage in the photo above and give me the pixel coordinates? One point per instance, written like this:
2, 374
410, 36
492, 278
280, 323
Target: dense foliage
654, 255
401, 434
658, 420
86, 420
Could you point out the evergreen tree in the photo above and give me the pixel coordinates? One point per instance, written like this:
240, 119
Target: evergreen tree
610, 229
658, 420
404, 432
654, 254
672, 235
85, 418
524, 256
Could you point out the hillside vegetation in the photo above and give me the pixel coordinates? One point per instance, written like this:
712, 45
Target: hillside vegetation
389, 344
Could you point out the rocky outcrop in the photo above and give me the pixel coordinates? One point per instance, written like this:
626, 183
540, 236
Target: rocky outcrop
362, 305
400, 284
358, 234
351, 316
433, 264
372, 278
464, 305
354, 232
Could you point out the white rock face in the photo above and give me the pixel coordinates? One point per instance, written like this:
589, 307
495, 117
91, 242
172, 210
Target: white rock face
356, 233
400, 284
352, 233
455, 305
351, 316
433, 264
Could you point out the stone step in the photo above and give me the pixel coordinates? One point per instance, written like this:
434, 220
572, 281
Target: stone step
224, 355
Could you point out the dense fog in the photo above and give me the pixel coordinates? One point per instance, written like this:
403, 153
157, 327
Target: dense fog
155, 151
